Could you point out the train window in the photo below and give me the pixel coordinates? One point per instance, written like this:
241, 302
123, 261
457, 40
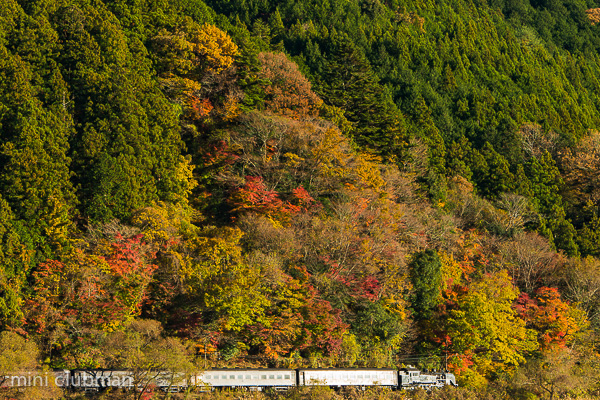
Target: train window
255, 377
367, 376
360, 377
223, 376
271, 376
247, 376
240, 377
278, 376
287, 376
231, 376
263, 377
207, 376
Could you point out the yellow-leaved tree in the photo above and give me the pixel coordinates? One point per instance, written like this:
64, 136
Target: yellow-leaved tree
203, 268
195, 65
214, 48
484, 332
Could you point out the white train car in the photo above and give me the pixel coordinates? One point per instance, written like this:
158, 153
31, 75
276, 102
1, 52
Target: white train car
348, 377
253, 379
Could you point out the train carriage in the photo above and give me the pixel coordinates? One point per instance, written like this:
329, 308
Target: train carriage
348, 377
254, 379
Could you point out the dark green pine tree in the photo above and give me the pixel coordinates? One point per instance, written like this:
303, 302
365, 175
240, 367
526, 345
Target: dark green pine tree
491, 172
522, 184
349, 83
588, 237
429, 132
426, 277
276, 25
563, 232
546, 183
457, 158
449, 79
248, 68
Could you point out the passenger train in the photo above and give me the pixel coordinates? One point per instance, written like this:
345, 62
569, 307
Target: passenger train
238, 378
406, 378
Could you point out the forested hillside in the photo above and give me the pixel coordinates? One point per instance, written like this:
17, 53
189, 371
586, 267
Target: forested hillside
186, 184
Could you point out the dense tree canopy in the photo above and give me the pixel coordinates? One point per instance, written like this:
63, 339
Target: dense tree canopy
316, 183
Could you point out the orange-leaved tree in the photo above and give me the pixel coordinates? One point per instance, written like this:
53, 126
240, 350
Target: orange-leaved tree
555, 321
288, 92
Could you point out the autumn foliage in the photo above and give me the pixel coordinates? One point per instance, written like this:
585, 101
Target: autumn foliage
255, 197
554, 320
303, 184
288, 92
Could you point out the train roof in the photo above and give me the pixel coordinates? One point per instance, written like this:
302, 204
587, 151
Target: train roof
347, 369
247, 369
